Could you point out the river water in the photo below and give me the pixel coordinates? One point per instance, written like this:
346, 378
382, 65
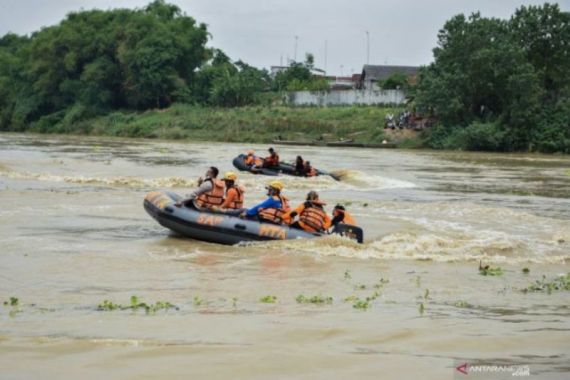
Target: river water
73, 233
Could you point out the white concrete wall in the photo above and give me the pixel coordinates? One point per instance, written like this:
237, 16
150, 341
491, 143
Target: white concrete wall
349, 97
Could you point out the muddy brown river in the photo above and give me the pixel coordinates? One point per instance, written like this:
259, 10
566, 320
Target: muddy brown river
409, 303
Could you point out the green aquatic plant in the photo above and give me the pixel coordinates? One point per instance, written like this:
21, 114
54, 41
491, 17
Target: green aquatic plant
360, 287
347, 275
159, 305
107, 305
426, 294
268, 299
380, 284
490, 271
462, 304
526, 270
13, 301
421, 308
560, 283
373, 296
234, 301
198, 301
418, 281
135, 304
317, 300
361, 304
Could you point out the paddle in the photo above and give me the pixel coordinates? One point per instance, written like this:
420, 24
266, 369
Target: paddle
350, 231
321, 172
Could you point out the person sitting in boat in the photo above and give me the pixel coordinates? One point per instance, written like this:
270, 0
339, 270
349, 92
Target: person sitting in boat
209, 193
271, 161
311, 215
309, 171
300, 166
273, 208
252, 160
340, 215
233, 202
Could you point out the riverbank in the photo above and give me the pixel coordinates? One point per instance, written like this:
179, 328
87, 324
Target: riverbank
258, 124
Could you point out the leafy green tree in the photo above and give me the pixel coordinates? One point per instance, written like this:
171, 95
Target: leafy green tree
503, 72
543, 32
395, 81
298, 77
96, 61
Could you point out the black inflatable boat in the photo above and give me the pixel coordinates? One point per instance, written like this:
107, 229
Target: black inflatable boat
239, 163
223, 229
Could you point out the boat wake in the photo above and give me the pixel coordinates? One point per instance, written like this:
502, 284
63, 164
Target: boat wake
425, 247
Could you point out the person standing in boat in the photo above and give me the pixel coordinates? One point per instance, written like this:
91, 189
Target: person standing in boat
273, 208
311, 215
209, 193
272, 161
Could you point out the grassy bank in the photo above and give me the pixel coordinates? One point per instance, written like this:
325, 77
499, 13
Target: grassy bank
245, 124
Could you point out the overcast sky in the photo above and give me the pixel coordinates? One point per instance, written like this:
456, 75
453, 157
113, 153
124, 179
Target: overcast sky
262, 32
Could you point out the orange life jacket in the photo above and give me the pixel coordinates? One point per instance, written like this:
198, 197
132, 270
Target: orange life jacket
237, 203
253, 160
312, 172
313, 218
272, 160
214, 197
275, 215
347, 218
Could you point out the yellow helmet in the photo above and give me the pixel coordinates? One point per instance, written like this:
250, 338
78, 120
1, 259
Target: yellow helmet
230, 176
276, 185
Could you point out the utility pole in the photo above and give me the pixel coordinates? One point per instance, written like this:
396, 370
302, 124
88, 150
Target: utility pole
325, 57
341, 72
296, 39
367, 47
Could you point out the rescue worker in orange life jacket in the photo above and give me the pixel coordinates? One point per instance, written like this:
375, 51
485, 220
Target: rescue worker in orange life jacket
272, 160
273, 208
309, 170
252, 160
233, 202
311, 215
340, 215
210, 192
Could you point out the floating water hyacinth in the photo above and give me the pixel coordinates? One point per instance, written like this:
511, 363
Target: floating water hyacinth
268, 299
318, 300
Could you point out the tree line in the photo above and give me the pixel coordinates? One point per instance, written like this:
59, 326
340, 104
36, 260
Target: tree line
495, 84
501, 85
97, 61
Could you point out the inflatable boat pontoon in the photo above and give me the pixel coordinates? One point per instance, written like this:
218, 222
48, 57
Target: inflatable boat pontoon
221, 228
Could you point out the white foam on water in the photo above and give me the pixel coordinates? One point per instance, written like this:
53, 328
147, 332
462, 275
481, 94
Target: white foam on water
118, 181
360, 180
422, 246
351, 180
